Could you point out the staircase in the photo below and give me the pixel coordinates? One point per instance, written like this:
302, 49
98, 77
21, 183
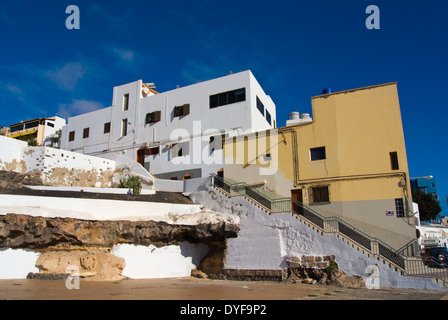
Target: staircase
406, 260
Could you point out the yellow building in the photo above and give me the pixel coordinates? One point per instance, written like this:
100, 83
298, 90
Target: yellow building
349, 162
39, 130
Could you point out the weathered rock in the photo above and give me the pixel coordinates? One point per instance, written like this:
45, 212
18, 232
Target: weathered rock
213, 263
326, 272
198, 274
92, 265
43, 234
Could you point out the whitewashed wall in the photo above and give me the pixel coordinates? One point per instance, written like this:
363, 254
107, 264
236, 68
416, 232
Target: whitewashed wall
265, 241
11, 151
148, 262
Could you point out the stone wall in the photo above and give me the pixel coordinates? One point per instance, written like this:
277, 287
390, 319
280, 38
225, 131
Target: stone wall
56, 167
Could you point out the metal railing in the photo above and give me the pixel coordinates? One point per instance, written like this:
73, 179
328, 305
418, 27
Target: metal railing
335, 225
242, 189
406, 259
429, 268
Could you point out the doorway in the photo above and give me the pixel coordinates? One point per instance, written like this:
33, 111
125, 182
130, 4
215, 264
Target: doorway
297, 201
141, 156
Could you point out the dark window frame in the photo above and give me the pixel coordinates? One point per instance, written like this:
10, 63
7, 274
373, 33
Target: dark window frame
71, 136
152, 117
394, 161
180, 111
268, 117
399, 208
260, 106
126, 102
107, 127
124, 127
319, 153
85, 133
226, 98
319, 195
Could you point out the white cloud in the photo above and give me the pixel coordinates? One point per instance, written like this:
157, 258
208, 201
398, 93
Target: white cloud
67, 76
97, 10
78, 107
126, 58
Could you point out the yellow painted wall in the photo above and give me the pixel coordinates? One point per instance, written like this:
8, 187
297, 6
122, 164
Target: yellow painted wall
359, 128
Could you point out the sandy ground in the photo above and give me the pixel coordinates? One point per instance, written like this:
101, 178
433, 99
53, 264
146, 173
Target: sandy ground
199, 289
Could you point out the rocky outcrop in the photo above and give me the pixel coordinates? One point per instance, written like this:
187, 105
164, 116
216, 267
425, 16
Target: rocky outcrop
86, 244
48, 234
320, 270
92, 265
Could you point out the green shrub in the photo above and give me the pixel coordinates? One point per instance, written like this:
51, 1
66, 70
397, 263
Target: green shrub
131, 183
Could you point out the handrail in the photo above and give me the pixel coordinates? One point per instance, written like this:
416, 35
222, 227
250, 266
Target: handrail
359, 237
406, 263
262, 199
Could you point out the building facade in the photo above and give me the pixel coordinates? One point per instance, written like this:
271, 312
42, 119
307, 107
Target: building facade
427, 185
176, 134
347, 161
42, 130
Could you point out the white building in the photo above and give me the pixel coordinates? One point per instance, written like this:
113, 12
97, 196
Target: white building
176, 134
43, 130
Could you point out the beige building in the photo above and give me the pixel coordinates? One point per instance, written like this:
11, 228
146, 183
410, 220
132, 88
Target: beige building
41, 131
348, 161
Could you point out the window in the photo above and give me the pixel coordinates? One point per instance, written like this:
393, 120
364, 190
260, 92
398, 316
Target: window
180, 149
107, 127
268, 117
126, 102
394, 160
319, 195
124, 127
318, 154
260, 106
153, 151
182, 110
30, 125
50, 124
152, 117
211, 146
85, 133
16, 128
229, 97
71, 136
399, 208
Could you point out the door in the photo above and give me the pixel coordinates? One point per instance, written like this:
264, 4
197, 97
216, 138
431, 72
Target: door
141, 156
297, 197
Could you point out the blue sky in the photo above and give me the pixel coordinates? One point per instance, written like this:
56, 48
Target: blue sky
294, 48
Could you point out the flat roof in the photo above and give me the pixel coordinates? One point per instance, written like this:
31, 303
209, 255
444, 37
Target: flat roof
352, 90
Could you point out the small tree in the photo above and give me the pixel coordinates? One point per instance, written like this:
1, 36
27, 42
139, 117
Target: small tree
428, 207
